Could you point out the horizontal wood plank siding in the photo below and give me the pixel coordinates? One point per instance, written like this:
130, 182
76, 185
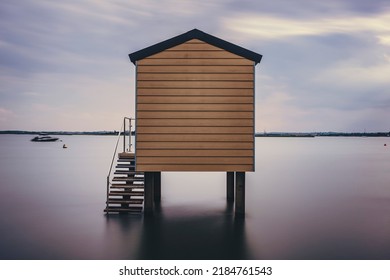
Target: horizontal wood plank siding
195, 69
195, 84
195, 122
195, 76
194, 160
195, 130
195, 137
195, 153
196, 107
194, 115
195, 61
196, 167
194, 54
195, 110
194, 145
150, 99
196, 91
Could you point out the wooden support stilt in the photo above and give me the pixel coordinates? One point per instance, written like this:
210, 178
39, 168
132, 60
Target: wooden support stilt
149, 193
157, 187
240, 193
230, 186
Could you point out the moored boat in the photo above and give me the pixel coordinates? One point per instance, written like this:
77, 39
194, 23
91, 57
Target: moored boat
44, 138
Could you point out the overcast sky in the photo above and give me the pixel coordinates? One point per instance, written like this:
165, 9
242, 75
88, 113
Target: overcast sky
326, 64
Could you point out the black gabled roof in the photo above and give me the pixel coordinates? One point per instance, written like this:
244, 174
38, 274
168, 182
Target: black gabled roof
195, 34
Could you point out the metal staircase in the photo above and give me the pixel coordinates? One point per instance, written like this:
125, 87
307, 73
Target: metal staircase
125, 187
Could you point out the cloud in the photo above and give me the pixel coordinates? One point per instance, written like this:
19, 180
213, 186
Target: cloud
269, 27
310, 9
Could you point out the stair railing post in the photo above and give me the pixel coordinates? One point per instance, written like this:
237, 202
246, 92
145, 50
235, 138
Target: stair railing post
129, 134
124, 134
108, 190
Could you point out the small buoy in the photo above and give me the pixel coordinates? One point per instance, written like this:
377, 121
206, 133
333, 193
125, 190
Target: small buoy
64, 146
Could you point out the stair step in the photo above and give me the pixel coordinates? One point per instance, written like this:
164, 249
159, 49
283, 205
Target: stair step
127, 201
126, 160
128, 179
130, 166
132, 209
125, 193
127, 186
128, 172
136, 176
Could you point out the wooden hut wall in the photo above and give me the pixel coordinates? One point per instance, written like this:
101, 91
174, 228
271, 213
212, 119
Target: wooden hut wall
195, 110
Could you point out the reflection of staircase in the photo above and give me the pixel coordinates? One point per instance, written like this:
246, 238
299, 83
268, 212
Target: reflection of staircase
126, 189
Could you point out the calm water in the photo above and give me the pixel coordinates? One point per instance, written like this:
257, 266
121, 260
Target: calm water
310, 198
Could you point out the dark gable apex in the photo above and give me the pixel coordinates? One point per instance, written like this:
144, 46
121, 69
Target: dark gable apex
195, 34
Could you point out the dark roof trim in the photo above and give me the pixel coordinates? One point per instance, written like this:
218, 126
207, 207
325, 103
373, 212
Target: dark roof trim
194, 34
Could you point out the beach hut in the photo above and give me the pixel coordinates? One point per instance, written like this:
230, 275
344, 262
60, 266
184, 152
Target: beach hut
195, 111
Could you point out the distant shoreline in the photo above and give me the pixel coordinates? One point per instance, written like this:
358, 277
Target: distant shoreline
24, 132
324, 134
257, 134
